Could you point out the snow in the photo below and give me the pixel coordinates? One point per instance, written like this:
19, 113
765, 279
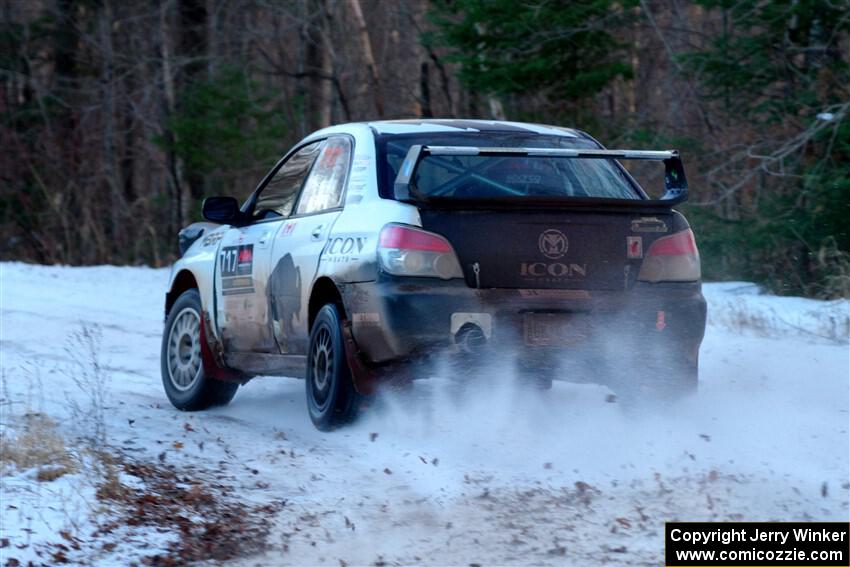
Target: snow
491, 474
745, 306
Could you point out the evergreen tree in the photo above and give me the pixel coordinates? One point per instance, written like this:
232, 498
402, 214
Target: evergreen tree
779, 67
565, 51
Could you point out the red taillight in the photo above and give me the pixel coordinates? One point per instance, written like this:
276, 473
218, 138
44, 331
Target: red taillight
408, 251
403, 238
673, 258
674, 245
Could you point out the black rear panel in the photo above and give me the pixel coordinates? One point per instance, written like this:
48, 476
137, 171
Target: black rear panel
548, 250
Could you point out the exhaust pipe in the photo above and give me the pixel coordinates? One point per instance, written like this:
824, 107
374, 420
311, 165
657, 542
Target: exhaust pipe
470, 338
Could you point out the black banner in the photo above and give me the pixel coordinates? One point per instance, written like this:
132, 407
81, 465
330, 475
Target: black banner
692, 544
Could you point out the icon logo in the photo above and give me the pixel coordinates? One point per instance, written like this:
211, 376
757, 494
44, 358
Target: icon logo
552, 243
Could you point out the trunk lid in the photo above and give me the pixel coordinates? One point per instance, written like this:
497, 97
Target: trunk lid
563, 249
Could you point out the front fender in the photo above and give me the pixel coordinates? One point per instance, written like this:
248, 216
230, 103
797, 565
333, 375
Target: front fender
198, 272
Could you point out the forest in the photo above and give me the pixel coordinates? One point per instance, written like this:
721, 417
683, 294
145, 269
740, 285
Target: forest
118, 118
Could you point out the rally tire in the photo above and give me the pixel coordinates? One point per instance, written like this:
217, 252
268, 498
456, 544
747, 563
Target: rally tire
332, 400
188, 384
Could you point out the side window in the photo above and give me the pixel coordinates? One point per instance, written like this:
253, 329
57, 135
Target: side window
323, 189
277, 198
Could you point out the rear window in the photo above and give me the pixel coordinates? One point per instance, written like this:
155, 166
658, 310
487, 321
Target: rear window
495, 177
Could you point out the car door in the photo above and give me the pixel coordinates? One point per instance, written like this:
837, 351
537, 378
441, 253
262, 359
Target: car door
245, 257
297, 249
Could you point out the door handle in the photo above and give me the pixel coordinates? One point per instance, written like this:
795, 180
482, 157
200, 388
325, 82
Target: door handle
317, 232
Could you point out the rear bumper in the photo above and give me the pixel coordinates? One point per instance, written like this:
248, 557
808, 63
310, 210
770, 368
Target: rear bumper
404, 318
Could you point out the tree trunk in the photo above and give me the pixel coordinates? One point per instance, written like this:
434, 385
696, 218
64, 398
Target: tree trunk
181, 193
192, 47
320, 67
424, 92
112, 173
368, 55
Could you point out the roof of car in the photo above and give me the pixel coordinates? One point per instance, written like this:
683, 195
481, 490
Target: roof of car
412, 126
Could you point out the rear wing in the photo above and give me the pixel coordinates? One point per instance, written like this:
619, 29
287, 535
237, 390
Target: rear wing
675, 182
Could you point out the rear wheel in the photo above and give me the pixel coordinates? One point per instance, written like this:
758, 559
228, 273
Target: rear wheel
188, 385
331, 398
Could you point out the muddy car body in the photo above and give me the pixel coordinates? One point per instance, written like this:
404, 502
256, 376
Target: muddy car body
372, 247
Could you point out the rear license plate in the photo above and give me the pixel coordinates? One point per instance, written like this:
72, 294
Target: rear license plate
555, 329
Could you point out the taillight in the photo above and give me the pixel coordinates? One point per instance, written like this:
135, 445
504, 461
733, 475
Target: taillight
408, 251
673, 258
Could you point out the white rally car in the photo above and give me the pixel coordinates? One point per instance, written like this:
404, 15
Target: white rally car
371, 247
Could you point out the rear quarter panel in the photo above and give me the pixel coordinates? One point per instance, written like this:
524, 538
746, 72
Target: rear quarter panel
350, 253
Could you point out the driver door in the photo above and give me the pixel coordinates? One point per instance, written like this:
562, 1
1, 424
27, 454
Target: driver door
244, 258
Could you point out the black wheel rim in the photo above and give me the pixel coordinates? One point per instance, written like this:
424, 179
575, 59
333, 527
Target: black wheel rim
322, 367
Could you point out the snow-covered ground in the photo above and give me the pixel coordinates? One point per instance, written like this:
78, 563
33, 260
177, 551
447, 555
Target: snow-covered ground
428, 476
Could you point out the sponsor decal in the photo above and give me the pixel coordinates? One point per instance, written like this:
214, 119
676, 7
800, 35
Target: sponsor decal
660, 323
634, 246
555, 293
284, 297
237, 265
556, 270
288, 229
649, 224
343, 249
553, 244
212, 238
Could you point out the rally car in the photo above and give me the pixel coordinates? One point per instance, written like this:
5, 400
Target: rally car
370, 248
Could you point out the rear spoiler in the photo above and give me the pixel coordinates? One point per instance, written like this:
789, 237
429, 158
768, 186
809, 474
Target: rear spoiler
675, 182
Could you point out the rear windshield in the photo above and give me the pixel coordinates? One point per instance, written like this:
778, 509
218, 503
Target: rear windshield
495, 177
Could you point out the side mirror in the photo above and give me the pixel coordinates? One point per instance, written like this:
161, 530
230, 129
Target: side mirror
221, 210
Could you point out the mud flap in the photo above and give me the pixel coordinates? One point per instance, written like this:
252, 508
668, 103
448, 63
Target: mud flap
366, 378
212, 366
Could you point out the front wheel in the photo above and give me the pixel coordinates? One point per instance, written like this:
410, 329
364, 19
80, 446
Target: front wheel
188, 385
331, 398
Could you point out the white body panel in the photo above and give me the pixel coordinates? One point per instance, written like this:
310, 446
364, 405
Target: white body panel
265, 310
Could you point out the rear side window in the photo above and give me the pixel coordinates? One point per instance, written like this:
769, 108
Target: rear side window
278, 196
324, 187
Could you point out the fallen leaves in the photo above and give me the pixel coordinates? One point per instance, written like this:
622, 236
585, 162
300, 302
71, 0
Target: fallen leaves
210, 525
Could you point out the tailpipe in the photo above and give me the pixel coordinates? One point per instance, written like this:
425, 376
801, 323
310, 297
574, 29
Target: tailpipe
470, 338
